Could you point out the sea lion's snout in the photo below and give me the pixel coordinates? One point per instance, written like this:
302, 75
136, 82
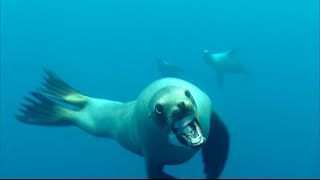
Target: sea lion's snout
184, 105
176, 112
186, 125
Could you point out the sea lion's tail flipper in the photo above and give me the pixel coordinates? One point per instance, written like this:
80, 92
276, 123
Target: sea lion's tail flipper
46, 107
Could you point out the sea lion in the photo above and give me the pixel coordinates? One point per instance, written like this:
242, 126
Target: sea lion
225, 63
168, 70
166, 124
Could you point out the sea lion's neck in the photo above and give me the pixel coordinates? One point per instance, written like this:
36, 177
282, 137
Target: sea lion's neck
124, 132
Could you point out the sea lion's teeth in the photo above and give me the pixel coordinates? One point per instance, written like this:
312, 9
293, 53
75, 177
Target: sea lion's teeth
184, 136
196, 140
198, 130
183, 122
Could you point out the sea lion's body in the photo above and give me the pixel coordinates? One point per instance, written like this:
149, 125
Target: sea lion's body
141, 126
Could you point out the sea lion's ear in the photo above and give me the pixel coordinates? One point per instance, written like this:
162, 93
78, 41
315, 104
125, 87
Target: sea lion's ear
216, 149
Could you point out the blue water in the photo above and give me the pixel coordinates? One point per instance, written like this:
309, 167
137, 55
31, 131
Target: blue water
106, 49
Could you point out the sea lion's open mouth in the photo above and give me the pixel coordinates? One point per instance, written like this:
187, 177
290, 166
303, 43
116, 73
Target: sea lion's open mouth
188, 131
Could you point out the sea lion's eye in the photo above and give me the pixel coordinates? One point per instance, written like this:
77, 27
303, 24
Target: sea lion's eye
159, 108
188, 94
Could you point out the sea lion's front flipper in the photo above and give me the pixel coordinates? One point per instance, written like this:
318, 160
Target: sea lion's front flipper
156, 172
216, 150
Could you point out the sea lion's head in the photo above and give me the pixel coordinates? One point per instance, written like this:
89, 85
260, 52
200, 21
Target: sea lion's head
175, 111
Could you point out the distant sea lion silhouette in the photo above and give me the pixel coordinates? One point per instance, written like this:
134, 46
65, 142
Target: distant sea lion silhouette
168, 70
224, 63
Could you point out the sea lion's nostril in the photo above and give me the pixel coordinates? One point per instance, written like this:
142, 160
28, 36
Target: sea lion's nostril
182, 105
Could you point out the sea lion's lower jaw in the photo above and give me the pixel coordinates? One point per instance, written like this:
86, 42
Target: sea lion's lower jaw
188, 132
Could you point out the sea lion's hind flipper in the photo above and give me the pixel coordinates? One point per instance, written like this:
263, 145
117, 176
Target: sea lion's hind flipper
58, 89
216, 150
49, 105
42, 111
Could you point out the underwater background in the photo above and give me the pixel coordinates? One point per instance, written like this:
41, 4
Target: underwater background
107, 49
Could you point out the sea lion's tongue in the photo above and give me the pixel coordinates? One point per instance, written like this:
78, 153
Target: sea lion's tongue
183, 122
189, 131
